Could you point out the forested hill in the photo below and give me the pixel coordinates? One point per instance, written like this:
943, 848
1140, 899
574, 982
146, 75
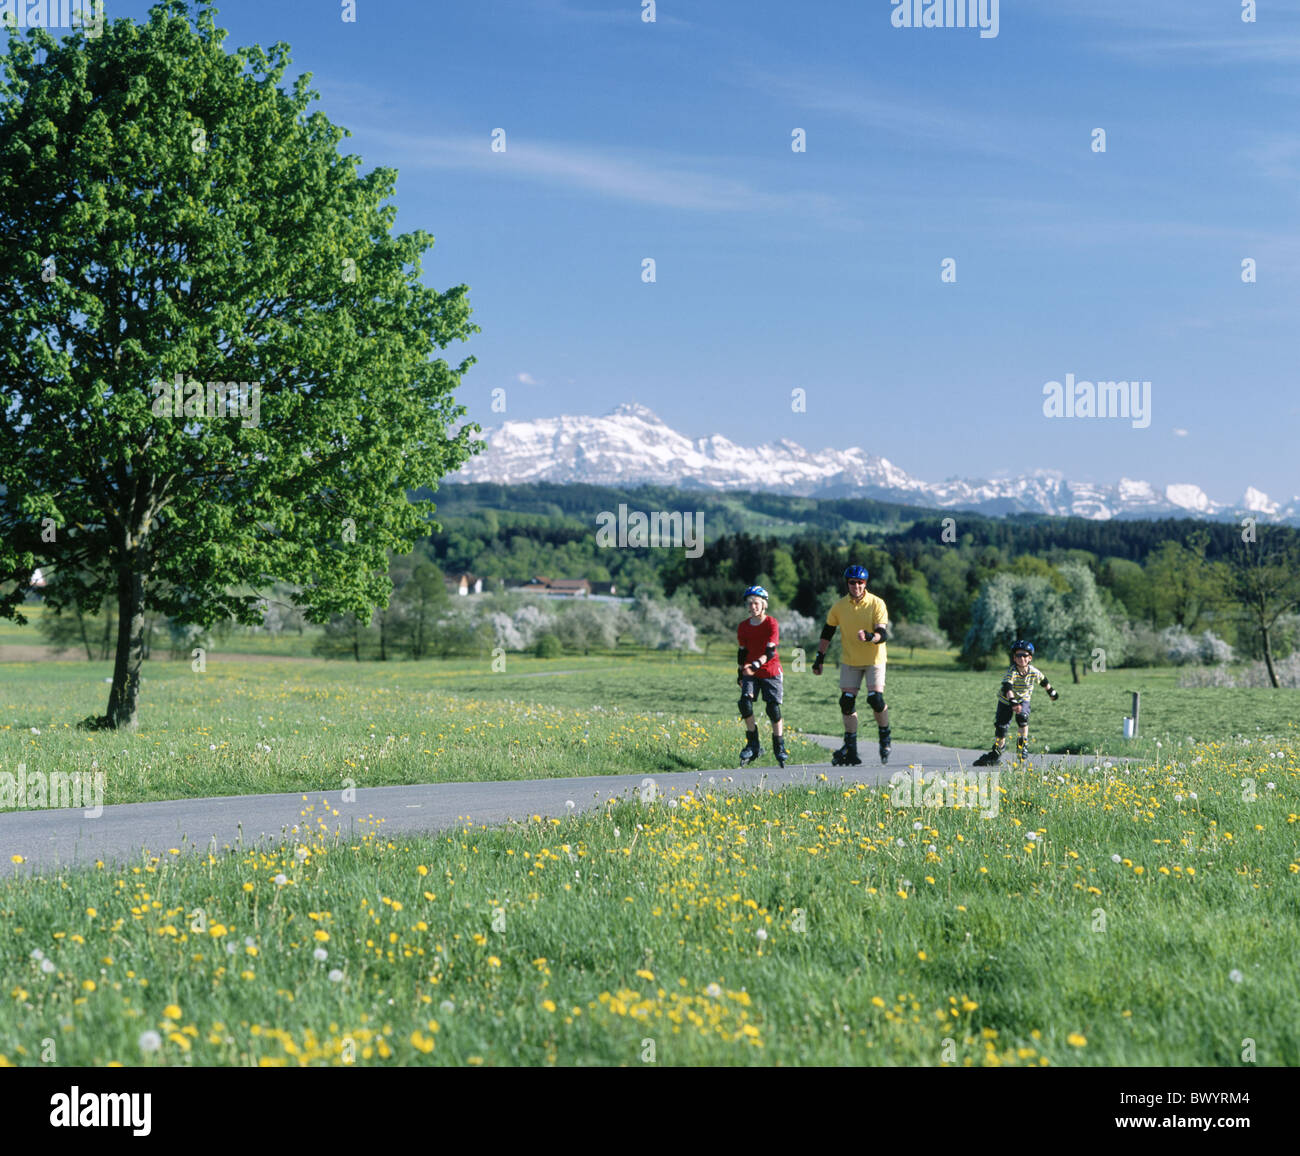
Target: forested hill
542, 508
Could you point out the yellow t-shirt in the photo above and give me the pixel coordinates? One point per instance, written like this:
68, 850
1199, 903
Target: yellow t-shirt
851, 617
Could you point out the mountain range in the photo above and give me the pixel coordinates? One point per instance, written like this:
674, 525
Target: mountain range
632, 445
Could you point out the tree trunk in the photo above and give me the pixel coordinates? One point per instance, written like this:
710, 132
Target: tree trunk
124, 695
1074, 669
1268, 656
85, 638
108, 632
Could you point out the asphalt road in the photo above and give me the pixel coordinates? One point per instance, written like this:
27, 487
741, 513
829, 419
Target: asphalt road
50, 839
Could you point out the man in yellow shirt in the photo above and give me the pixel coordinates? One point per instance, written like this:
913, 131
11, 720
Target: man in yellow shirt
865, 623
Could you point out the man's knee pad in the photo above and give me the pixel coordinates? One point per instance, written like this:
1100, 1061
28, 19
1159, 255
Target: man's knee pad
1000, 730
746, 705
774, 711
876, 700
848, 703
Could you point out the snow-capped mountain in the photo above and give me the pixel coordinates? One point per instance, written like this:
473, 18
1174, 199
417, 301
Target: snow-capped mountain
631, 445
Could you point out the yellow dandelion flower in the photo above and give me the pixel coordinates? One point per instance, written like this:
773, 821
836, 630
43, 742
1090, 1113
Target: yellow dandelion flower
172, 1011
1076, 1040
644, 974
321, 934
548, 1004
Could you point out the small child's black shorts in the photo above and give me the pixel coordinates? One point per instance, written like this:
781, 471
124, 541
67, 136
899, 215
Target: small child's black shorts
1006, 712
771, 688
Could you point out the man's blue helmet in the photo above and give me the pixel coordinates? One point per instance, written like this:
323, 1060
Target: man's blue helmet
1021, 644
855, 573
757, 592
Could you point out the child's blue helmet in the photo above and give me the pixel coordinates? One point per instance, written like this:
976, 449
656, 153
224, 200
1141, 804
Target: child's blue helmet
757, 592
1021, 644
855, 574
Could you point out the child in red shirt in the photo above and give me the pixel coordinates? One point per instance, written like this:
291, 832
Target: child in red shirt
760, 673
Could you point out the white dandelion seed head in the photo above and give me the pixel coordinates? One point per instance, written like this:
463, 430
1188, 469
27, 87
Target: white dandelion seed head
1235, 976
1192, 795
917, 825
713, 990
231, 948
901, 842
47, 966
446, 1007
320, 955
761, 934
1116, 858
281, 880
37, 953
335, 975
150, 1041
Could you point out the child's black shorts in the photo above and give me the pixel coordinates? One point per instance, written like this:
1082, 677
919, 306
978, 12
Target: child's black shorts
771, 688
1006, 712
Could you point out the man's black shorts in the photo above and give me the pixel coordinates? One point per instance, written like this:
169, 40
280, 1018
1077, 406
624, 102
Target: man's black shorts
771, 688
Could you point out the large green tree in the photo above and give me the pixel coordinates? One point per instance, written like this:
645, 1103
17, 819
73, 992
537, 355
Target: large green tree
1264, 570
170, 214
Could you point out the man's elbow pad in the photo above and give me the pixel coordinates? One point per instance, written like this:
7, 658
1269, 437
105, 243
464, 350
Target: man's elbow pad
828, 632
883, 630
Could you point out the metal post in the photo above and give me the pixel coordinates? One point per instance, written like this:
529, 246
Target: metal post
1136, 700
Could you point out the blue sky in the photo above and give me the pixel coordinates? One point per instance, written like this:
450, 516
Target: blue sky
820, 270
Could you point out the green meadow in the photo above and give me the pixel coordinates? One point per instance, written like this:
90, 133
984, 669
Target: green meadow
1121, 917
249, 725
1143, 913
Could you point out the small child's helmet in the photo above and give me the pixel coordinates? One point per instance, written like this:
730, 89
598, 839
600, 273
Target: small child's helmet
1021, 644
855, 574
757, 592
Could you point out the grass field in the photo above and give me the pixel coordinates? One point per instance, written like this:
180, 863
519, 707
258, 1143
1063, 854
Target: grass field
1118, 918
250, 726
1142, 914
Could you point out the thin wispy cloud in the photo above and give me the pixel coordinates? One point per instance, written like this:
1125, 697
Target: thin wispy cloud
644, 179
942, 127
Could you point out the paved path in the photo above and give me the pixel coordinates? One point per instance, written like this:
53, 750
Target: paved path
49, 839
